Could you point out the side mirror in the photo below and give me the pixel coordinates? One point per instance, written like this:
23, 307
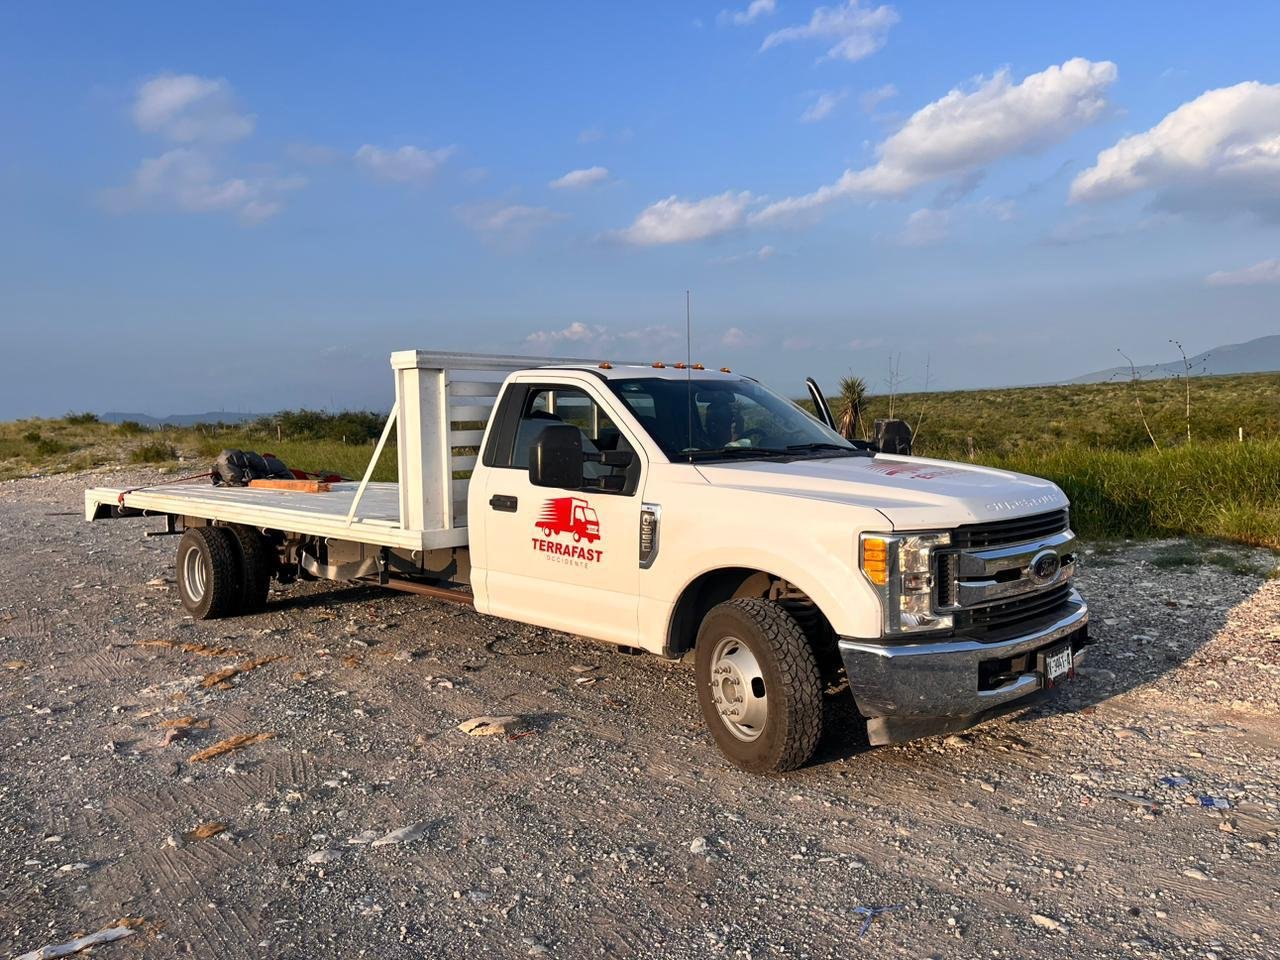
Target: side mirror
894, 436
556, 458
614, 458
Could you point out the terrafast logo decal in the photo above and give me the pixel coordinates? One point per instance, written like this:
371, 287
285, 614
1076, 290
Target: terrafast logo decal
915, 471
574, 518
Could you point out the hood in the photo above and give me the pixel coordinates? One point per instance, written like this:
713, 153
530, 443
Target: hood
913, 493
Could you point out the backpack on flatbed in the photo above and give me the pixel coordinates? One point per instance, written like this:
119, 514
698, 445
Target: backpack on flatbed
235, 468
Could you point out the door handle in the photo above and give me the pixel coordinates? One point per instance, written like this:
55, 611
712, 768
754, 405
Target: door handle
500, 501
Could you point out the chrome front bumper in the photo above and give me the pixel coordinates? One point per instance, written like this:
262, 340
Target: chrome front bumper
921, 689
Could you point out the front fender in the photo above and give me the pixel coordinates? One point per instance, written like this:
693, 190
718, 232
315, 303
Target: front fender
813, 544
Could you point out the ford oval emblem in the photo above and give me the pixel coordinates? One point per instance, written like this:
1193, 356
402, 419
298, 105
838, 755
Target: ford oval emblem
1045, 566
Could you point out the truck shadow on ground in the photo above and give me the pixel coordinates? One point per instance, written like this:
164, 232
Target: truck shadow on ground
1140, 636
308, 596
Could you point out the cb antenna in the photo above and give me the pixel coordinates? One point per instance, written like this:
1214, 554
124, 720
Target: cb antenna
688, 365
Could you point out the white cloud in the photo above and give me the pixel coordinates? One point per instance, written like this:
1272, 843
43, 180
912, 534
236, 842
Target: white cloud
1268, 271
797, 343
872, 99
1217, 154
595, 336
925, 227
510, 224
680, 221
736, 337
754, 11
186, 180
765, 252
408, 164
576, 332
857, 32
823, 106
859, 343
190, 109
581, 178
964, 131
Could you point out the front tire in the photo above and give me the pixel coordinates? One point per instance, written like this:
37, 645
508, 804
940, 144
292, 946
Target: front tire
210, 576
759, 686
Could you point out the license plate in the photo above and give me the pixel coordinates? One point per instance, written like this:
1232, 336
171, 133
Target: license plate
1058, 662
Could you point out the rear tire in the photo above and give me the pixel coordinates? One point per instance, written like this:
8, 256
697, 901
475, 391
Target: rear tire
759, 686
258, 563
210, 576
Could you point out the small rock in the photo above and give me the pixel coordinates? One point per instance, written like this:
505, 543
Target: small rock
1048, 923
698, 846
487, 726
323, 856
364, 836
1195, 873
403, 835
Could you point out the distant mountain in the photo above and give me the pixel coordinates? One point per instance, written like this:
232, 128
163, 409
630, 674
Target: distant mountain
1255, 356
181, 419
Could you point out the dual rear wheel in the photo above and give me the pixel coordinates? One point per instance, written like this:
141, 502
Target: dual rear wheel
223, 571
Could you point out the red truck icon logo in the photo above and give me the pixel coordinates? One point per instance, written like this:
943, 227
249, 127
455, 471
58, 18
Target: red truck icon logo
569, 515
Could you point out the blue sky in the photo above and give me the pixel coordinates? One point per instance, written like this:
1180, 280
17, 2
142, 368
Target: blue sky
247, 207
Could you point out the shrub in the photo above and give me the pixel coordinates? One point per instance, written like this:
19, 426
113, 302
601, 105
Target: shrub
48, 447
32, 436
1226, 490
131, 428
155, 452
351, 426
80, 419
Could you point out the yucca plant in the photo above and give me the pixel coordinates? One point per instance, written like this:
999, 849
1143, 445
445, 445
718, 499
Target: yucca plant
853, 391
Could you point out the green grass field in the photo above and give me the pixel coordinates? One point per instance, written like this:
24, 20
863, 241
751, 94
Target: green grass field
1089, 439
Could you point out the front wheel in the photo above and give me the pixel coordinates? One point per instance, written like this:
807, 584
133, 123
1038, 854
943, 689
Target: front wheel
759, 686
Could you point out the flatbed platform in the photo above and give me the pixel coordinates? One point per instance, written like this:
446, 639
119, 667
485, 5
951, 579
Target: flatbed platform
377, 521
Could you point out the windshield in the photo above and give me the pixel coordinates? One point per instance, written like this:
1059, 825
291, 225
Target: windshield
733, 418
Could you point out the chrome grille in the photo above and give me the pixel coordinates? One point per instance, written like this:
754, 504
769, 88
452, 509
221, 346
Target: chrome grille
1007, 615
999, 578
1014, 530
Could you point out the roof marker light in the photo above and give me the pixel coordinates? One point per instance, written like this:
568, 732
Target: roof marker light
679, 366
725, 370
698, 366
659, 365
606, 365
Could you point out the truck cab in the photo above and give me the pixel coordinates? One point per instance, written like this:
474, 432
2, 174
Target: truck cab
726, 522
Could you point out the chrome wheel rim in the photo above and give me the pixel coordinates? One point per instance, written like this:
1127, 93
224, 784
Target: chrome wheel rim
194, 573
738, 689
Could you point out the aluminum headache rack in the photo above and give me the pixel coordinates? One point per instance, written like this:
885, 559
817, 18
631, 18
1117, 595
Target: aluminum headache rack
443, 404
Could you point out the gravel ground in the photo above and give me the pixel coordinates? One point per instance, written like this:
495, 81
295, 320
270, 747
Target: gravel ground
603, 823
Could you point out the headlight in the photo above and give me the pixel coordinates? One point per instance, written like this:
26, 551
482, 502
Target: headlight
900, 567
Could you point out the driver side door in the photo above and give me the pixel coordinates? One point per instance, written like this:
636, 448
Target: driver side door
563, 558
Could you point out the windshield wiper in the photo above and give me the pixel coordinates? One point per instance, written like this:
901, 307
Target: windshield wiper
744, 453
823, 445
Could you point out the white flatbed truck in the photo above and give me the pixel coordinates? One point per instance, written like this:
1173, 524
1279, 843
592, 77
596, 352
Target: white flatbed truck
676, 510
